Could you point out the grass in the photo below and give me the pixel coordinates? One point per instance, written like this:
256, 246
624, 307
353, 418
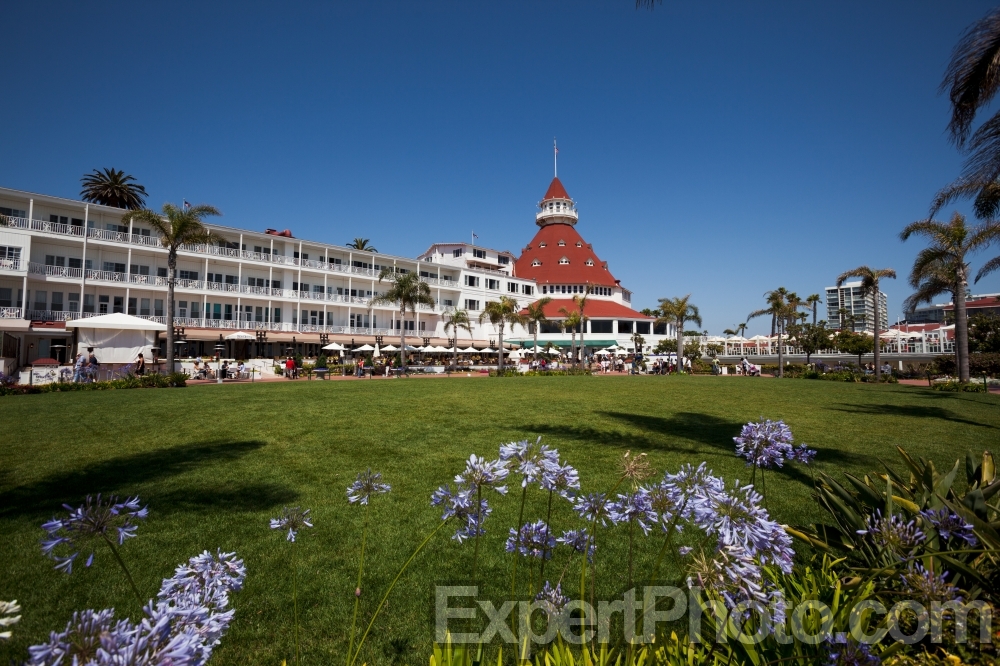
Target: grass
215, 462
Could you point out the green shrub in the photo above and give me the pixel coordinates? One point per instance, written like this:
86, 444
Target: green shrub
979, 363
959, 387
321, 361
175, 380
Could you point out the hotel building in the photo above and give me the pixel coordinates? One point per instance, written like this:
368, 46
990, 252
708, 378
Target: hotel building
861, 306
62, 259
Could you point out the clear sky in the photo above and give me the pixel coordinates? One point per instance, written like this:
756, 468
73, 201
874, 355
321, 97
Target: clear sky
717, 148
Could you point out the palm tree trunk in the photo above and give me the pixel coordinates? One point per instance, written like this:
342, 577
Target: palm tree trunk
572, 344
500, 351
454, 352
536, 344
875, 347
402, 339
962, 329
781, 356
583, 348
680, 345
171, 273
814, 314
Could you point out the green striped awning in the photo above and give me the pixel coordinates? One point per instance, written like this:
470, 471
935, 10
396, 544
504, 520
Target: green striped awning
530, 343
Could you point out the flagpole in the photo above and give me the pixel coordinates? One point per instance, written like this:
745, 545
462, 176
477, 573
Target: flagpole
555, 158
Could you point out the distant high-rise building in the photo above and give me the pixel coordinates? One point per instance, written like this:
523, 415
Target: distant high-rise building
857, 305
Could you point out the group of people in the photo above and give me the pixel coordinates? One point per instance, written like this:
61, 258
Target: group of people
747, 369
668, 366
86, 367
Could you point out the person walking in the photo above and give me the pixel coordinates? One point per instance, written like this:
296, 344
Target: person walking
290, 367
93, 365
140, 366
79, 368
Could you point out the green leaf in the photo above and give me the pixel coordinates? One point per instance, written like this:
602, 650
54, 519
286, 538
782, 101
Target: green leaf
989, 469
943, 485
970, 468
868, 495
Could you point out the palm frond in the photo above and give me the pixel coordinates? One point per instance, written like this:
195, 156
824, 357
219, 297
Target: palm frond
989, 267
972, 77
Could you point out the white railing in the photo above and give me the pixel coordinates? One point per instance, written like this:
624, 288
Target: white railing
11, 265
51, 315
136, 278
106, 276
43, 226
54, 271
10, 313
108, 235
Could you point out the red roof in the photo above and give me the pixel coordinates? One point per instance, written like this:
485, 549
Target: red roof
576, 251
594, 309
555, 191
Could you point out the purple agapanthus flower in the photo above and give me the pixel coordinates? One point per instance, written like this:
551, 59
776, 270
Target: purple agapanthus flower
292, 519
802, 454
892, 533
551, 599
766, 444
99, 518
851, 653
633, 508
527, 458
579, 541
482, 473
367, 483
562, 480
461, 505
928, 587
730, 573
737, 518
533, 540
594, 508
950, 525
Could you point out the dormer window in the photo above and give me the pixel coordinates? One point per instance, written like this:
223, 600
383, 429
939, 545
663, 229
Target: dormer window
579, 244
563, 261
542, 244
536, 263
589, 262
562, 243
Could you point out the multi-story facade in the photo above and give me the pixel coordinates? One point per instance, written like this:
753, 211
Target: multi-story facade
944, 312
851, 298
62, 259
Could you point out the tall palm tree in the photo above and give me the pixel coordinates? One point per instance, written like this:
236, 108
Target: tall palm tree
113, 188
813, 300
935, 279
951, 243
362, 244
407, 291
535, 315
176, 226
456, 320
500, 313
572, 321
678, 311
581, 305
780, 312
870, 278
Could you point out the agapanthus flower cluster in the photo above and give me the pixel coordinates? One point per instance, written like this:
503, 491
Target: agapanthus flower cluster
292, 519
551, 599
367, 483
181, 627
7, 617
927, 587
461, 505
892, 533
949, 525
579, 541
593, 507
737, 518
100, 518
532, 540
633, 507
731, 573
769, 444
562, 480
482, 473
851, 653
528, 459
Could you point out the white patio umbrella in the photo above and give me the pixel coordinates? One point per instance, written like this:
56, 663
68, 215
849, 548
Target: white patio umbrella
489, 350
468, 350
376, 354
440, 349
364, 348
621, 352
411, 348
514, 355
602, 352
333, 346
240, 335
390, 348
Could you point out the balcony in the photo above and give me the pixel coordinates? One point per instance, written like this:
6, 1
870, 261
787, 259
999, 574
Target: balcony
11, 265
54, 271
42, 226
52, 315
10, 313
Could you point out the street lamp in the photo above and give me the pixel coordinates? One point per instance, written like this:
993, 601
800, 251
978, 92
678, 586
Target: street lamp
220, 346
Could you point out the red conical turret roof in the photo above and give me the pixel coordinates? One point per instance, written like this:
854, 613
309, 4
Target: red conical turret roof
559, 255
555, 191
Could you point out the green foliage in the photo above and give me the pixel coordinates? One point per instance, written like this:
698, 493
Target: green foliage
857, 344
980, 363
175, 380
984, 334
958, 387
665, 346
321, 361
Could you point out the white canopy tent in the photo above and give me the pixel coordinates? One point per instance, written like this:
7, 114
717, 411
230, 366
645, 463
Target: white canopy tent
118, 337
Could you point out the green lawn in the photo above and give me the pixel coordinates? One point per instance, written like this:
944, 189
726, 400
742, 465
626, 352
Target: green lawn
214, 463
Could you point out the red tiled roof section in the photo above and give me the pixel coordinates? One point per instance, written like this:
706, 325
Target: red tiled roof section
555, 191
551, 271
594, 309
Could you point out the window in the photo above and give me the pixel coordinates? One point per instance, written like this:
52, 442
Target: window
51, 260
118, 305
562, 242
158, 307
215, 277
457, 253
336, 261
75, 263
136, 269
5, 297
512, 287
144, 307
659, 329
589, 262
579, 244
502, 260
189, 275
471, 304
229, 311
276, 284
317, 289
471, 281
448, 302
543, 244
182, 308
624, 327
527, 289
113, 267
642, 327
132, 305
41, 298
58, 219
57, 301
232, 279
277, 315
626, 295
479, 254
492, 284
536, 263
161, 272
563, 261
13, 212
601, 326
103, 302
360, 264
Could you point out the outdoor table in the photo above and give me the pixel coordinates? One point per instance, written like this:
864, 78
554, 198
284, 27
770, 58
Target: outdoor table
321, 372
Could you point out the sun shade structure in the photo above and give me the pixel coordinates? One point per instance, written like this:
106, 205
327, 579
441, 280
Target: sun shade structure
118, 337
118, 321
333, 346
364, 348
240, 335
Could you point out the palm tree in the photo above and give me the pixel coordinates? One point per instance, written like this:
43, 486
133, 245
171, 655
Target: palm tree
951, 243
572, 320
728, 331
176, 227
113, 188
936, 279
581, 304
455, 320
813, 300
500, 313
535, 316
780, 312
407, 291
361, 244
677, 311
870, 278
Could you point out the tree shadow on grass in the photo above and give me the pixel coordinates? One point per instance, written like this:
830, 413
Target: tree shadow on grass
244, 497
909, 411
117, 475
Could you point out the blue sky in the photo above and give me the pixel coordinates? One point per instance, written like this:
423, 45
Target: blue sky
716, 148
